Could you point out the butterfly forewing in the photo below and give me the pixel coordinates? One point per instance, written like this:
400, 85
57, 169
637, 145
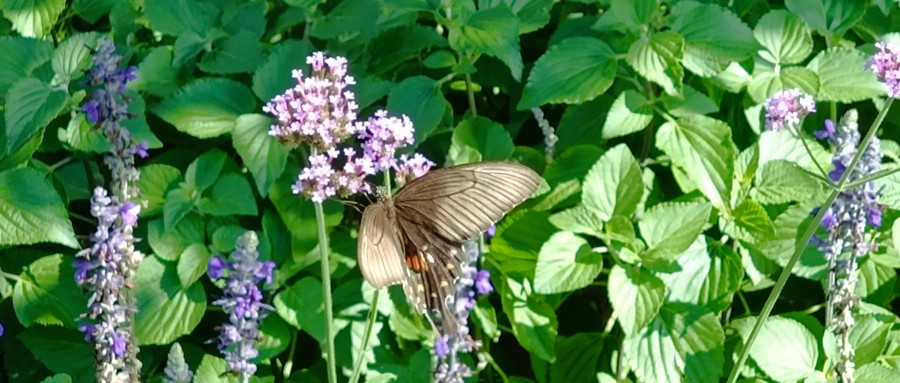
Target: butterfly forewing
416, 237
380, 248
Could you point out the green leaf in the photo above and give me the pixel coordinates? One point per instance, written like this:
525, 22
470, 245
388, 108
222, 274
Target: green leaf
276, 337
156, 180
578, 220
627, 15
169, 244
73, 57
784, 36
876, 373
31, 106
192, 264
165, 310
397, 46
421, 99
532, 14
175, 17
629, 113
780, 246
683, 343
273, 77
486, 317
785, 145
47, 294
693, 102
702, 147
179, 202
565, 174
751, 217
231, 195
724, 279
263, 155
797, 348
361, 14
671, 227
781, 181
33, 18
566, 263
205, 170
239, 53
298, 213
155, 74
60, 350
481, 138
533, 320
834, 16
658, 59
518, 240
713, 36
225, 237
580, 124
574, 71
843, 78
26, 56
766, 81
31, 211
578, 358
207, 107
300, 305
492, 31
92, 10
636, 296
613, 186
187, 46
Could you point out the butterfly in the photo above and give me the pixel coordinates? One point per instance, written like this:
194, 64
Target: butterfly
415, 237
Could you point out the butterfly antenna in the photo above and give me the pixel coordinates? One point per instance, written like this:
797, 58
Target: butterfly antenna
355, 205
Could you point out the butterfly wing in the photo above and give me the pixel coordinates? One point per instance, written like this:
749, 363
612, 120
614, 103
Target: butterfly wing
379, 249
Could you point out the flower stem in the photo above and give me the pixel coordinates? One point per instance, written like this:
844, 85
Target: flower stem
326, 295
802, 243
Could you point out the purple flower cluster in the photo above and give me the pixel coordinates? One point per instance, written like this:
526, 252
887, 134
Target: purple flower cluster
787, 107
846, 220
242, 301
447, 348
885, 63
107, 268
320, 111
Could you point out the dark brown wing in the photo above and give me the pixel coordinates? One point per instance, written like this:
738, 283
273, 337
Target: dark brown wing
460, 202
379, 249
438, 211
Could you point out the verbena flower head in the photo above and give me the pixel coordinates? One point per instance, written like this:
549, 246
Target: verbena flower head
319, 110
382, 135
885, 63
409, 168
323, 179
242, 302
787, 107
447, 348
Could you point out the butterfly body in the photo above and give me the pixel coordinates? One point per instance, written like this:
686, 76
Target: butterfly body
415, 237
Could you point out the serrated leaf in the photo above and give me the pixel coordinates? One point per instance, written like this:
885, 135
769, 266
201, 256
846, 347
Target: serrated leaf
73, 57
26, 55
580, 124
685, 278
231, 195
751, 217
658, 59
780, 246
179, 203
30, 107
155, 74
578, 220
565, 263
225, 237
843, 77
92, 10
205, 170
33, 18
724, 278
492, 31
629, 113
578, 357
273, 77
300, 305
766, 81
781, 181
61, 350
627, 14
636, 296
175, 17
263, 155
784, 36
187, 46
396, 46
46, 293
420, 98
31, 211
487, 139
713, 36
361, 14
532, 14
533, 321
169, 244
207, 107
683, 343
828, 17
192, 264
613, 186
785, 145
156, 180
670, 227
693, 102
796, 345
518, 241
574, 71
165, 310
702, 147
239, 53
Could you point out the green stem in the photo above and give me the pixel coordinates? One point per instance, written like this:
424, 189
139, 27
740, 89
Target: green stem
496, 367
802, 243
326, 295
822, 171
868, 178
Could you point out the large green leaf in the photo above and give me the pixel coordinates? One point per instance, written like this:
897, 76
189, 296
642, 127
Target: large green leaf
798, 349
300, 305
263, 155
631, 112
73, 57
23, 57
658, 59
31, 106
767, 80
784, 36
702, 147
670, 227
31, 211
613, 186
843, 77
574, 71
421, 99
169, 244
636, 296
47, 294
781, 181
479, 139
273, 77
492, 31
566, 263
207, 107
156, 180
829, 17
518, 241
165, 310
578, 357
231, 195
713, 36
533, 320
60, 350
174, 17
33, 18
239, 53
532, 14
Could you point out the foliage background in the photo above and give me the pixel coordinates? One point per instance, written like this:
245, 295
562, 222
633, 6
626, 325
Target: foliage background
666, 218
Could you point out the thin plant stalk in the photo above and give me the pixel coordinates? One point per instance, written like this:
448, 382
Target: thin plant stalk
330, 361
803, 243
373, 312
